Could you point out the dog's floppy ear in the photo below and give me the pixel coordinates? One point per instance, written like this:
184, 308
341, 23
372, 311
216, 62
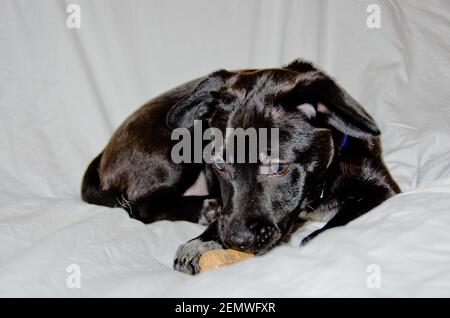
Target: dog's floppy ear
319, 97
199, 104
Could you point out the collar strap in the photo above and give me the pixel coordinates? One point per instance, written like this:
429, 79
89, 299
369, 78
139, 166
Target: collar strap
344, 142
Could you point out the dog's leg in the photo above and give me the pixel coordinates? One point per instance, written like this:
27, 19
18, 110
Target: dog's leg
210, 210
340, 219
352, 210
172, 208
169, 204
188, 255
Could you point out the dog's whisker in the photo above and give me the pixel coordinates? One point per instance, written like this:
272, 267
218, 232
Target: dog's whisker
126, 204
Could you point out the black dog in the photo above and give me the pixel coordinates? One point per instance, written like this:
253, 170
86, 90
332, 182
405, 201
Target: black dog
330, 160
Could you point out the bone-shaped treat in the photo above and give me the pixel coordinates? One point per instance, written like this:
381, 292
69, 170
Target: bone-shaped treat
218, 258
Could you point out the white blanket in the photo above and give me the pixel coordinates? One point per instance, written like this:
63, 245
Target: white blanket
63, 92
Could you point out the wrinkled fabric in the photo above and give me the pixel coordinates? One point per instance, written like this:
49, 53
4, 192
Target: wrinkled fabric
63, 92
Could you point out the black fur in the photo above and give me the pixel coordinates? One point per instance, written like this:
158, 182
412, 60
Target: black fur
328, 140
91, 191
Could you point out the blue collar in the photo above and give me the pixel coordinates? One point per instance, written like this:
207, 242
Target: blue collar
344, 142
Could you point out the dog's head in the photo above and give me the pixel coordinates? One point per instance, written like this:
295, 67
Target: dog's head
261, 200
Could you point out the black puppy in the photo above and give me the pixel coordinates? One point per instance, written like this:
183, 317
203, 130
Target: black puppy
329, 165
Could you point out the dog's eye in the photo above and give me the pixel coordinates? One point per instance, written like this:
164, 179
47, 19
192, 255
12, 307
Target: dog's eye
219, 165
278, 168
274, 169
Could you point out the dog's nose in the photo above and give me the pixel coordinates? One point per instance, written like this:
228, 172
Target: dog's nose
264, 235
240, 241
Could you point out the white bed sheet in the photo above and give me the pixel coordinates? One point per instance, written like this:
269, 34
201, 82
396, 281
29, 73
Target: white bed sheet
63, 91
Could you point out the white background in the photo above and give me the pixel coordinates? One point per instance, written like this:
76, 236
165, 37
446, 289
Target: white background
64, 91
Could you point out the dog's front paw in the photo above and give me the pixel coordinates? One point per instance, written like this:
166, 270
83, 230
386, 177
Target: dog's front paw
188, 255
210, 210
310, 237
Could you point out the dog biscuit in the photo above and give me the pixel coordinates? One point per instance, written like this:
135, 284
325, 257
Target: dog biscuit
218, 258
